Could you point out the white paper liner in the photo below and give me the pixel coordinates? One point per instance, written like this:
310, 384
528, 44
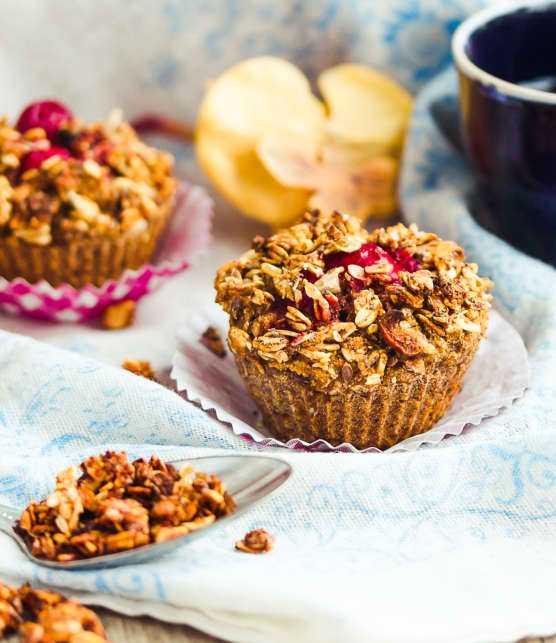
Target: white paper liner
499, 374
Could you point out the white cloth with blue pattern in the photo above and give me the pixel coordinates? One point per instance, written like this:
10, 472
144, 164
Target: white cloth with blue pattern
452, 543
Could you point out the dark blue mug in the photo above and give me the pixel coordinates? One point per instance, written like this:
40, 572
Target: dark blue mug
506, 61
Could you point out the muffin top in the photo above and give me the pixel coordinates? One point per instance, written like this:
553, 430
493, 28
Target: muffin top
62, 180
344, 307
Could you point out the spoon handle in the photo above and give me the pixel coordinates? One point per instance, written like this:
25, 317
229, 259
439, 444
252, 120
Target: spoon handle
8, 516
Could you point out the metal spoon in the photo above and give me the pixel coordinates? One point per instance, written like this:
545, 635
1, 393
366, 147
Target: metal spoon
248, 480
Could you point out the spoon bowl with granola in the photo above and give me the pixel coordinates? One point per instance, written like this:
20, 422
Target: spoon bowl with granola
120, 513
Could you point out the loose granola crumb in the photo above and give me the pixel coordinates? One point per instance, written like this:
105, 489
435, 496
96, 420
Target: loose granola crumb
144, 369
257, 541
114, 506
117, 316
212, 340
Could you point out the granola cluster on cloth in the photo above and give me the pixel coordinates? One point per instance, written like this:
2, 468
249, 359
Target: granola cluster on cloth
137, 367
73, 180
258, 541
114, 506
340, 306
43, 616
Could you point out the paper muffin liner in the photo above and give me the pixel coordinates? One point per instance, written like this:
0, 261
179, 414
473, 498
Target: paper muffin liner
385, 415
498, 374
82, 262
184, 239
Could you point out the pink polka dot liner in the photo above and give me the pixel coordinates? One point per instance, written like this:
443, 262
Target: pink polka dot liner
187, 236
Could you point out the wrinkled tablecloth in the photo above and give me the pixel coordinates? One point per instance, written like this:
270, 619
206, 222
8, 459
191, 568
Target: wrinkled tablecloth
451, 543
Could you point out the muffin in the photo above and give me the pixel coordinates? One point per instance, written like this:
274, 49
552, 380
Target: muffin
351, 336
79, 204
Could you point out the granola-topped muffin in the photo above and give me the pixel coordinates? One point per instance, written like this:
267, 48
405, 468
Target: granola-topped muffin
352, 336
79, 203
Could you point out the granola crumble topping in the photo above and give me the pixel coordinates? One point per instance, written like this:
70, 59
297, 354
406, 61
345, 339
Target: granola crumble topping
341, 306
115, 506
79, 180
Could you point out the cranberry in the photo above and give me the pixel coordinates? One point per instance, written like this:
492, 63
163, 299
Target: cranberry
368, 255
404, 260
48, 114
35, 159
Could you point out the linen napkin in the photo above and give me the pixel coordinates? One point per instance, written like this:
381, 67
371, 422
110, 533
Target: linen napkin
443, 544
450, 543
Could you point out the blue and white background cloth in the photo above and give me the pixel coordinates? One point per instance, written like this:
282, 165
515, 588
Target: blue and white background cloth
451, 543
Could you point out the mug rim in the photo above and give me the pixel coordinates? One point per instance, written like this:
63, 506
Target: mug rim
465, 30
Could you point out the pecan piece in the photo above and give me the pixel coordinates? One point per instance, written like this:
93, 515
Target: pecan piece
257, 541
402, 296
347, 373
407, 340
35, 600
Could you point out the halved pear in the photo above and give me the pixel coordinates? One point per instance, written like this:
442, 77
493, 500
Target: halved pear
368, 190
259, 96
291, 163
368, 114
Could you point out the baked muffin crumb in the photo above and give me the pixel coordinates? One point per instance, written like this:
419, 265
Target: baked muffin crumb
212, 340
118, 316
